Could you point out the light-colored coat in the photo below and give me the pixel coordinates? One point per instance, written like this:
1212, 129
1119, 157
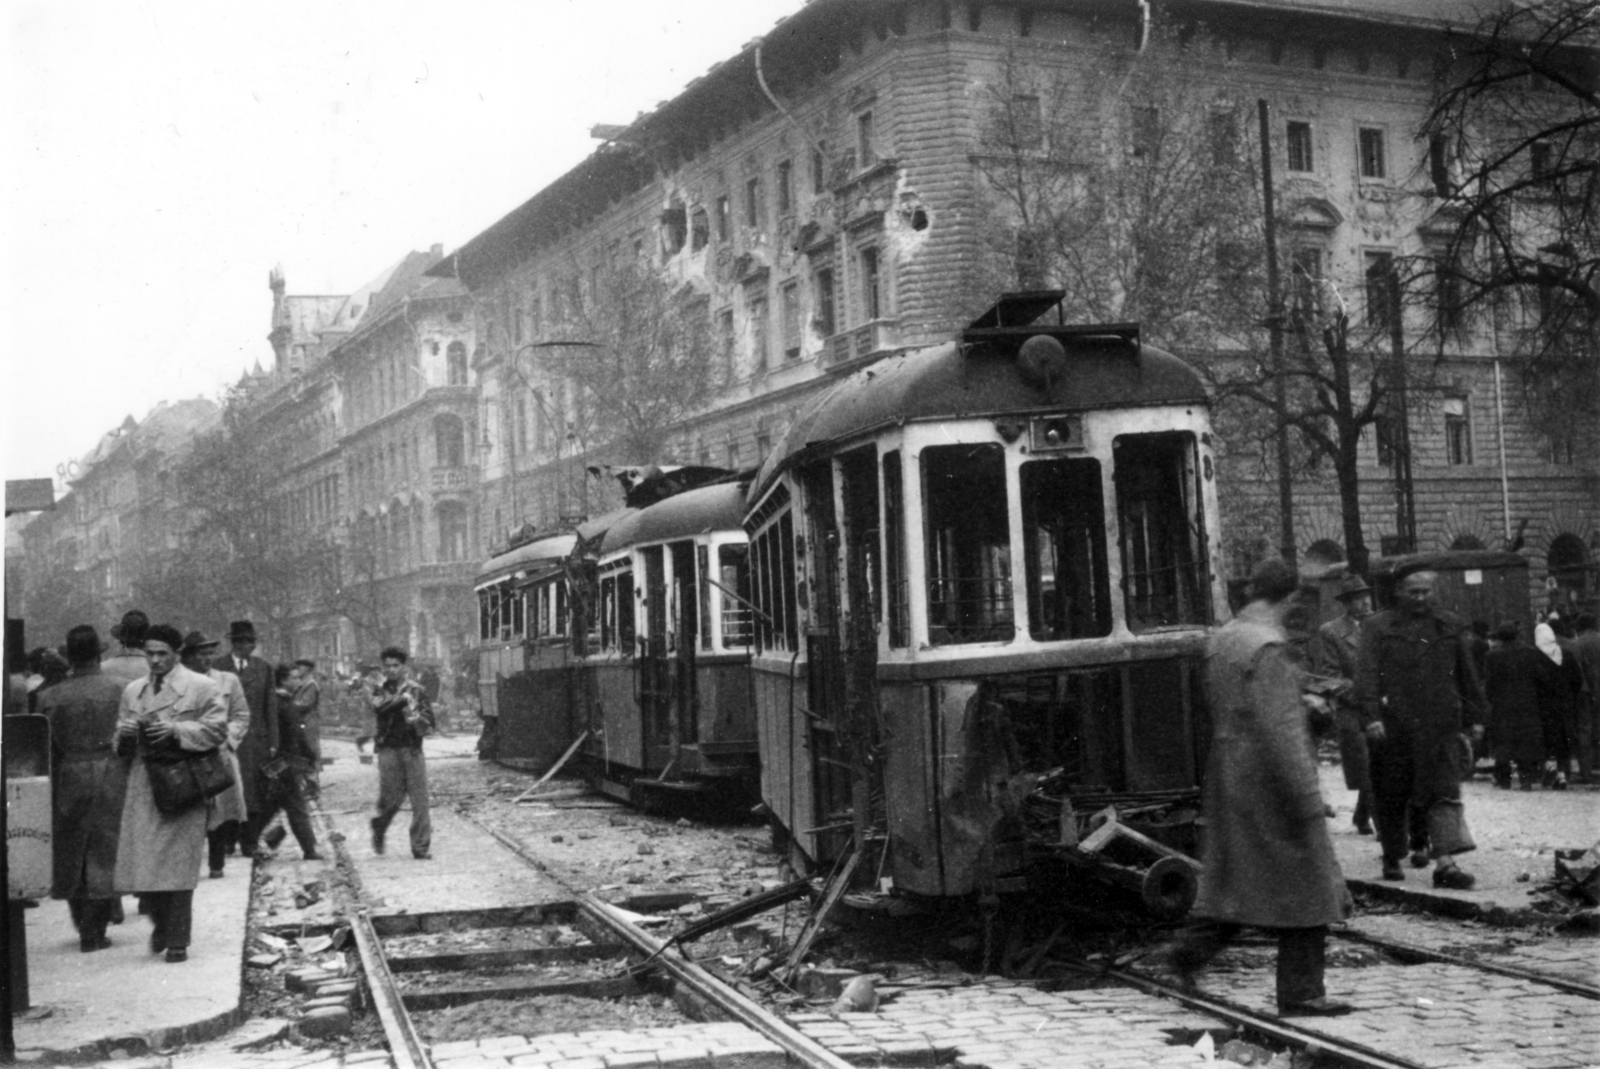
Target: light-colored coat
229, 805
1268, 859
161, 851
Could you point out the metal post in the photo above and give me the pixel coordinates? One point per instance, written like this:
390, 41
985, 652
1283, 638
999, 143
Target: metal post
1286, 547
1405, 504
1500, 441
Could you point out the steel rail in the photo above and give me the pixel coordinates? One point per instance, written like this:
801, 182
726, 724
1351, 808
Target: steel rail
1407, 950
800, 1047
1274, 1027
405, 1044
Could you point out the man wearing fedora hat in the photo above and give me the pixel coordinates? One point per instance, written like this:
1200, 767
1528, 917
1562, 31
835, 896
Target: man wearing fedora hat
260, 743
1333, 653
224, 812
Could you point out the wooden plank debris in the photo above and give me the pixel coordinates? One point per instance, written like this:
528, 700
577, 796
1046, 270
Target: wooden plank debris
553, 769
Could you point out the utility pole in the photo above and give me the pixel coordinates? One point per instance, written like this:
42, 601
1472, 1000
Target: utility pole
1286, 548
1405, 503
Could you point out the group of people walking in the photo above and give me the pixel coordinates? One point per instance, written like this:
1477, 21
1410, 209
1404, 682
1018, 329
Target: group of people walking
164, 696
1543, 701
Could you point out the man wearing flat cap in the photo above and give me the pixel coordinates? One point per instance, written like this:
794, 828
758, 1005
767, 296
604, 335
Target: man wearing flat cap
260, 744
225, 812
1333, 654
1420, 698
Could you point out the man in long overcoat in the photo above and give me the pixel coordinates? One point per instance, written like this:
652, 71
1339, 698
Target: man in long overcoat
1268, 861
1333, 653
224, 812
159, 854
260, 744
1419, 694
89, 783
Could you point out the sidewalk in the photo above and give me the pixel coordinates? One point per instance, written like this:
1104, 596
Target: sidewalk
90, 1006
1517, 833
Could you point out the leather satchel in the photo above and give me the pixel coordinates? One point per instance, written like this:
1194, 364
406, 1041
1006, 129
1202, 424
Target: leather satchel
182, 779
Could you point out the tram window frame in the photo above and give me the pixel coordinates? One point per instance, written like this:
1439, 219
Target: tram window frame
1079, 512
1177, 493
517, 622
961, 517
702, 565
773, 549
897, 580
736, 621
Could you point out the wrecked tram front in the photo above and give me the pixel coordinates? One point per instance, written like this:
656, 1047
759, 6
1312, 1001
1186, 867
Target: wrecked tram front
981, 569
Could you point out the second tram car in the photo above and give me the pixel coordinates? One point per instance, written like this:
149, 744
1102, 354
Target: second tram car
974, 566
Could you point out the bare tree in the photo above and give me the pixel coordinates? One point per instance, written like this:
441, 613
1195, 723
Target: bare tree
1514, 136
645, 360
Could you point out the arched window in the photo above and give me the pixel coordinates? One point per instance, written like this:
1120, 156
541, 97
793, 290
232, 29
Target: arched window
449, 441
1467, 541
452, 531
1567, 562
455, 364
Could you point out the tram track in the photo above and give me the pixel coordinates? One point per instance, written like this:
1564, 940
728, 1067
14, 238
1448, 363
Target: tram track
1408, 952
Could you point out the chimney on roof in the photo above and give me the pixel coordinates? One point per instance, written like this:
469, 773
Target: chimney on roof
606, 131
437, 252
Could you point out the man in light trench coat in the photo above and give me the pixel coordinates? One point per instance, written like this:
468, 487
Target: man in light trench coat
1268, 861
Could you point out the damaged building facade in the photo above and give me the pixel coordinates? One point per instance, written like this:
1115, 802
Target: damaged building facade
822, 198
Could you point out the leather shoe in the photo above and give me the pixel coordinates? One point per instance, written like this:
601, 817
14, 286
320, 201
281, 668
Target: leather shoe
177, 954
215, 874
1363, 827
424, 856
1419, 859
1317, 1007
1393, 871
97, 943
1453, 879
311, 855
157, 944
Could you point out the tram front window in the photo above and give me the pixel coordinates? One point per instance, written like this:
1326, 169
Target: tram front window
1064, 540
1163, 531
969, 544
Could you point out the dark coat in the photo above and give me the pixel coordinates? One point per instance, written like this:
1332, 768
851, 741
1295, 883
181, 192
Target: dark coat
88, 785
163, 851
1333, 653
1268, 859
1415, 675
261, 742
1516, 730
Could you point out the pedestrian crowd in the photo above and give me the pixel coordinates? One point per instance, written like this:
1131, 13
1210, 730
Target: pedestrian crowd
166, 757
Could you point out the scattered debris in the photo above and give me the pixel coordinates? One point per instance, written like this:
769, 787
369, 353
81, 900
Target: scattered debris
860, 995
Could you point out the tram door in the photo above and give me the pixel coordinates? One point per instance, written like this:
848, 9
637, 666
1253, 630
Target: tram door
858, 627
825, 670
653, 666
686, 631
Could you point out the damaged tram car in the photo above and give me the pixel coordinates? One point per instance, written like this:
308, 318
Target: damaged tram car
982, 575
626, 641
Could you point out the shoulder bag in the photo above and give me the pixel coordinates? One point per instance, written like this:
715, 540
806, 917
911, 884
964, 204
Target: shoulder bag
181, 779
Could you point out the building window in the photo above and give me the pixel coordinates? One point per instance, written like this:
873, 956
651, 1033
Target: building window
1301, 157
752, 202
1224, 131
1381, 290
1449, 306
1370, 149
724, 218
516, 327
1384, 439
1146, 131
866, 149
725, 338
789, 310
1306, 283
819, 168
1541, 159
871, 288
1027, 121
522, 425
785, 187
1439, 165
455, 364
824, 321
699, 230
452, 531
1457, 431
758, 332
449, 446
674, 233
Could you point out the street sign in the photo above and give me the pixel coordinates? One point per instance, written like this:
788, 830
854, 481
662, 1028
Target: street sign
30, 495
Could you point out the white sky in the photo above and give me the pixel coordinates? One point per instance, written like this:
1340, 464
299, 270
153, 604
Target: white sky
160, 157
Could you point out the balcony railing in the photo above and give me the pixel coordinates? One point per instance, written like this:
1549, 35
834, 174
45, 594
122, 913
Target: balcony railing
859, 342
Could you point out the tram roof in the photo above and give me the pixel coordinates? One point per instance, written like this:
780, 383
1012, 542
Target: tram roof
719, 507
980, 377
528, 557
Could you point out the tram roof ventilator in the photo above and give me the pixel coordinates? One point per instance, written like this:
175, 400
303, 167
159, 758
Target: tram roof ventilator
1042, 353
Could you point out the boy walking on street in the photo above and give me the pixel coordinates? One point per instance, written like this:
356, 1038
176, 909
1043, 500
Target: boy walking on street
404, 717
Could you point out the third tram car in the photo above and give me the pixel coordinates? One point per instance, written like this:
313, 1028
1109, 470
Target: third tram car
976, 566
